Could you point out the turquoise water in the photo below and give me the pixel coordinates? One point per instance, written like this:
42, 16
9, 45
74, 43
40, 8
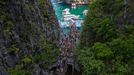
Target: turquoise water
60, 7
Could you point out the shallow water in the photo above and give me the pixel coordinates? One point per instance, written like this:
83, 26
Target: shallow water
60, 7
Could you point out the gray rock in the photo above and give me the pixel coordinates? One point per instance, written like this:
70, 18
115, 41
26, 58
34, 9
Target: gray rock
44, 72
3, 71
9, 61
37, 70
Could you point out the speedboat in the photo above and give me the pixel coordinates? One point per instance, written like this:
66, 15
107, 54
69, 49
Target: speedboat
73, 6
66, 11
85, 12
70, 16
67, 15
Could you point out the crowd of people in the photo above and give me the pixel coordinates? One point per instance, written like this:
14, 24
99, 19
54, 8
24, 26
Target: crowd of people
69, 42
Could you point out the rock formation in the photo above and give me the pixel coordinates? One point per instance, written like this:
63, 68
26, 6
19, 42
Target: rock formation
29, 36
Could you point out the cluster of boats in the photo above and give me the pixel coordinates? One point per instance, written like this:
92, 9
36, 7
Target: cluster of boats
67, 17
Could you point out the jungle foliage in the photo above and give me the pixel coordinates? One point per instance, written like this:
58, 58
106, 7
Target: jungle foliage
107, 42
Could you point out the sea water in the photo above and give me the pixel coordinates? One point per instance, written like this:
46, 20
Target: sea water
59, 7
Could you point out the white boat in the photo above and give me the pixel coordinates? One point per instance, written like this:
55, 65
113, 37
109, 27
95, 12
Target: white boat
67, 15
85, 12
73, 6
66, 11
70, 16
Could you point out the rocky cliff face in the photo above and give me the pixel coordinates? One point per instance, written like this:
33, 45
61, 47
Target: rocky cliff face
29, 33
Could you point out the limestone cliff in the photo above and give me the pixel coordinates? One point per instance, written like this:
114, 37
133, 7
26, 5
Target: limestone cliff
29, 33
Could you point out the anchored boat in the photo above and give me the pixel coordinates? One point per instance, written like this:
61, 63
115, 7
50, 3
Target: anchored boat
67, 15
85, 12
73, 6
70, 19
